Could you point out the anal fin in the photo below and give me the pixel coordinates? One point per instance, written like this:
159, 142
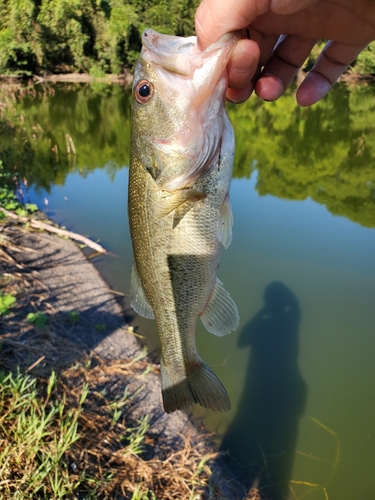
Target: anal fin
138, 299
220, 316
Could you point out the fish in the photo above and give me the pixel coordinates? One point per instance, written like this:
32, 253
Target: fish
181, 159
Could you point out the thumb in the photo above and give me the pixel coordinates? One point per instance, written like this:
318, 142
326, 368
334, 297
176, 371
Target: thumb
290, 6
213, 18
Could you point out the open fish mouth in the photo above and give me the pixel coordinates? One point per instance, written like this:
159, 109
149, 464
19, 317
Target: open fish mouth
182, 55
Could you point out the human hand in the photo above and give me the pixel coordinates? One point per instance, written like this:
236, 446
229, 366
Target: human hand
282, 34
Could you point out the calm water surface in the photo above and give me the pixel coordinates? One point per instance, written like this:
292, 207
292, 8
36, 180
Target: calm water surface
300, 370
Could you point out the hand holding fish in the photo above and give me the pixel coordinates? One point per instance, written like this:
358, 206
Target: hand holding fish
282, 35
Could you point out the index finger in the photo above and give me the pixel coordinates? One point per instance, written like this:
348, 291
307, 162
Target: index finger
213, 18
216, 17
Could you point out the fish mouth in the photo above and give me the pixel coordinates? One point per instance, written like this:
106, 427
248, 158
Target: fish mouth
181, 55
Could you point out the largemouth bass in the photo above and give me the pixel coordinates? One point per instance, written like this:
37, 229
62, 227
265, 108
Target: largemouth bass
182, 148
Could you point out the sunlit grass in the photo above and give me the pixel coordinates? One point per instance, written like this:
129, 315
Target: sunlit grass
68, 436
35, 434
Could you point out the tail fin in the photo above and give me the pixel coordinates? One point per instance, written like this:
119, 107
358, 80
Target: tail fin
201, 386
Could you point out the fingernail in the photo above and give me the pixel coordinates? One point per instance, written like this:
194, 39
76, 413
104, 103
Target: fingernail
232, 101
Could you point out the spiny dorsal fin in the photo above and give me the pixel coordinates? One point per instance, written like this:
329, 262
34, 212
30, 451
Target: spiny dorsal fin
226, 223
138, 299
220, 316
172, 201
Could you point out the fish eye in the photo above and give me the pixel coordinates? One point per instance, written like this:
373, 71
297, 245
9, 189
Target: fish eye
143, 91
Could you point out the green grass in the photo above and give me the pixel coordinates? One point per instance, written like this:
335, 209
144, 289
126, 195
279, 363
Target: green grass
38, 428
35, 434
69, 436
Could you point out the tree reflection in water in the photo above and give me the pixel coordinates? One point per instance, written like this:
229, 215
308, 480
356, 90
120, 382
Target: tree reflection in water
261, 439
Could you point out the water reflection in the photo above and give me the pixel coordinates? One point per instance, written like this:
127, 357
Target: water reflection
261, 439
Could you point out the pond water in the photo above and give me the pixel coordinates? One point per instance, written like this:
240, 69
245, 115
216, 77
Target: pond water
300, 369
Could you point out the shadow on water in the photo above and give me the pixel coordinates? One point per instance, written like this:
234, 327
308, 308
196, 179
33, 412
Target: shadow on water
260, 442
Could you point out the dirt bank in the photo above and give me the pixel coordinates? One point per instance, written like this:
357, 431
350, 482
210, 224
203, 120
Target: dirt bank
51, 276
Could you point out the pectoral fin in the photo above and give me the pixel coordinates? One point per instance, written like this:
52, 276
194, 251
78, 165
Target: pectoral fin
226, 223
220, 316
138, 299
172, 201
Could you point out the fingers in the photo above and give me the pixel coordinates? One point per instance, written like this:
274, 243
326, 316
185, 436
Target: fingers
241, 69
287, 58
282, 61
213, 18
237, 96
350, 24
322, 20
252, 54
332, 62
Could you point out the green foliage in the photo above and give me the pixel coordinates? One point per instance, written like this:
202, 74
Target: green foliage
35, 435
74, 317
98, 37
6, 302
19, 38
83, 35
69, 436
38, 318
8, 199
31, 207
366, 60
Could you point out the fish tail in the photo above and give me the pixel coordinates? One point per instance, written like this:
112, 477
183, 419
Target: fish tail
200, 386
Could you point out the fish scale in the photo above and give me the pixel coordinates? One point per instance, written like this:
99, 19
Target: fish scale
176, 233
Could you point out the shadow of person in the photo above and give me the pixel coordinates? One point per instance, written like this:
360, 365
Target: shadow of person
261, 440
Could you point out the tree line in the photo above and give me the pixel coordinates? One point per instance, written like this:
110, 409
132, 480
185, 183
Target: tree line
90, 36
95, 36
